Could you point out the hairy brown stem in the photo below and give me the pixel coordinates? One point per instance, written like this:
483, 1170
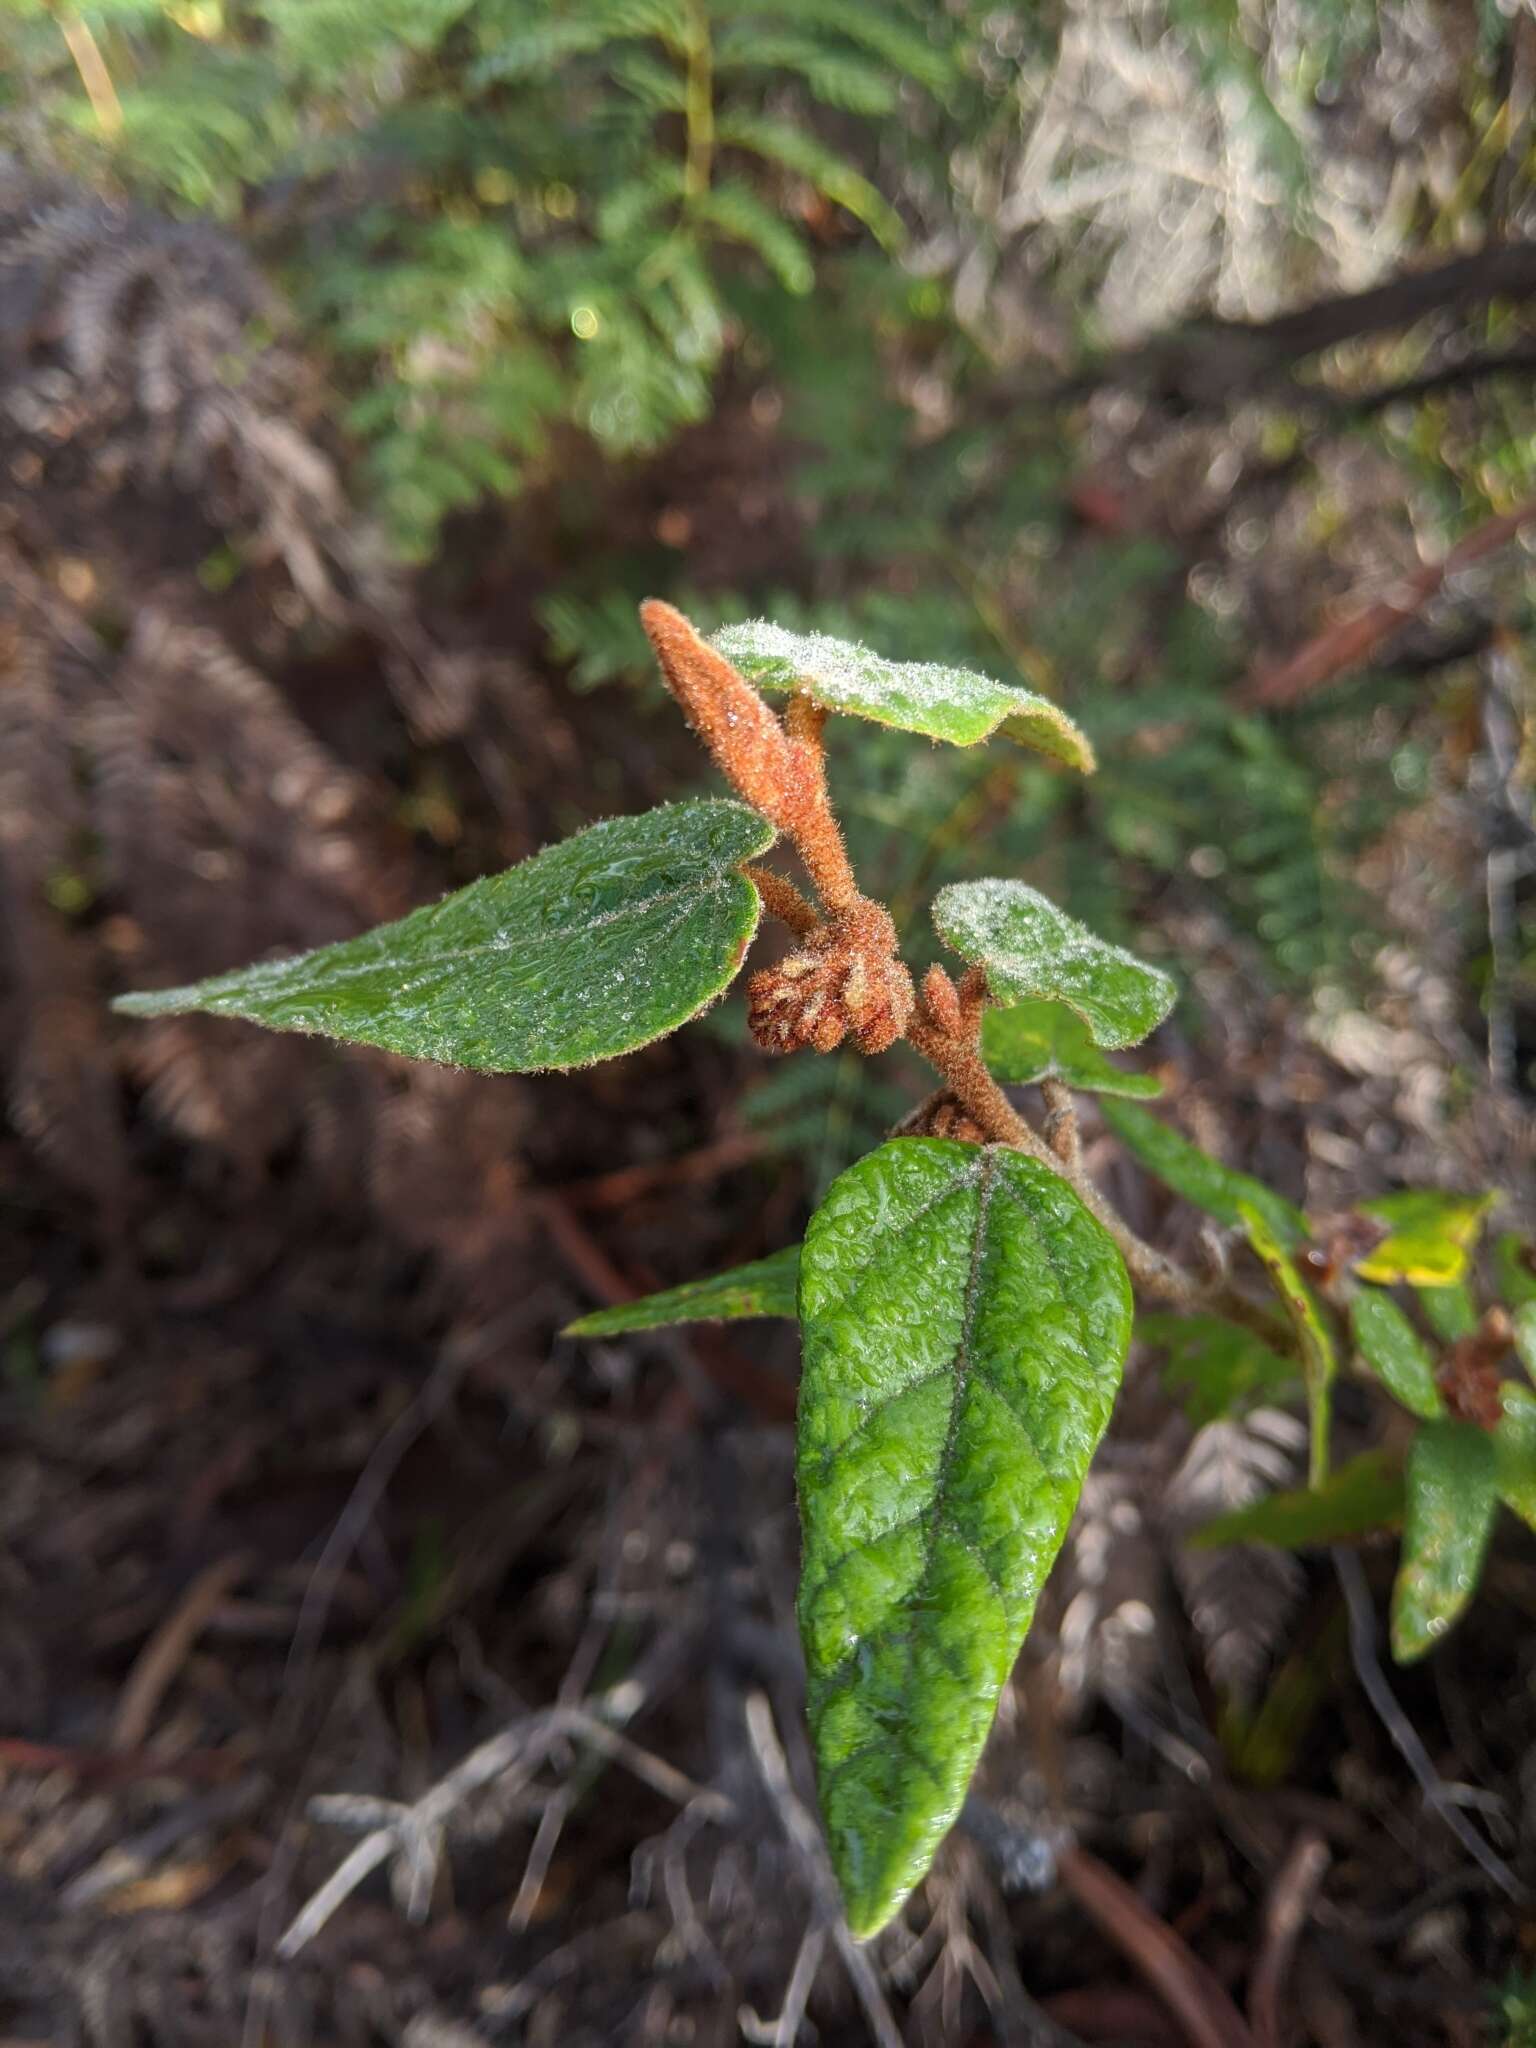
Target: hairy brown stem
781, 899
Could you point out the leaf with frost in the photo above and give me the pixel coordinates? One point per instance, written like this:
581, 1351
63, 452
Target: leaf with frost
965, 1325
765, 1287
954, 704
1031, 949
1044, 1040
1452, 1491
1395, 1352
587, 950
1198, 1177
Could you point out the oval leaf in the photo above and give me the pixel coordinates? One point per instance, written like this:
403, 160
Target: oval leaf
588, 950
965, 1324
1395, 1352
1451, 1312
1198, 1177
1514, 1451
1430, 1235
1447, 1517
953, 704
1362, 1496
766, 1287
1030, 948
1039, 1041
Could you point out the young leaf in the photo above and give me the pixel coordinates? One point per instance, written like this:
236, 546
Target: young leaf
1216, 1369
1430, 1236
1451, 1311
1514, 1451
1031, 1041
1198, 1177
1030, 949
587, 950
1359, 1498
953, 704
1452, 1493
1514, 1269
965, 1324
766, 1287
1395, 1352
1318, 1362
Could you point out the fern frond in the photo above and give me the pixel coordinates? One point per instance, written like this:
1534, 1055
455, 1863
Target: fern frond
780, 142
737, 214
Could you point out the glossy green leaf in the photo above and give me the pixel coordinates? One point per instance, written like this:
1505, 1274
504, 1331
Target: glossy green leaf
1450, 1311
1514, 1268
1524, 1321
965, 1325
1514, 1451
1217, 1369
1362, 1496
1313, 1341
1043, 1040
1395, 1352
953, 704
766, 1287
1430, 1235
589, 949
1452, 1491
1031, 949
1198, 1177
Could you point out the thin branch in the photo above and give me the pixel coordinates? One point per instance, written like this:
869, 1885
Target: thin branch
1286, 1912
781, 899
94, 75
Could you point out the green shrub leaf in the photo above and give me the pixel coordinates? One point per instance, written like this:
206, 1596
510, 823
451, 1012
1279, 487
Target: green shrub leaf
1198, 1177
965, 1325
1217, 1369
1031, 949
1034, 1041
953, 704
1514, 1269
766, 1287
1451, 1495
1450, 1310
1514, 1451
1362, 1496
1525, 1336
1313, 1341
1430, 1236
589, 949
1395, 1352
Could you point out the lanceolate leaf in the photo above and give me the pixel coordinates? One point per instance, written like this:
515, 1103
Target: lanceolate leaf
1395, 1352
965, 1324
1358, 1499
1216, 1369
1030, 948
766, 1287
1452, 1493
1313, 1341
589, 949
1198, 1177
953, 704
1430, 1236
1514, 1451
1034, 1041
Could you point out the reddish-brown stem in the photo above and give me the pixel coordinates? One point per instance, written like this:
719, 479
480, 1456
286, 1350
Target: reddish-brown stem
1061, 1121
781, 899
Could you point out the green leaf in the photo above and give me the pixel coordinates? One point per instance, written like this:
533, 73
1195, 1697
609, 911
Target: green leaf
1524, 1320
953, 704
965, 1324
1217, 1369
1451, 1311
1514, 1451
1318, 1362
1198, 1177
1030, 948
1514, 1266
1452, 1493
1362, 1496
801, 152
766, 1287
1395, 1352
1429, 1238
588, 950
735, 211
1033, 1041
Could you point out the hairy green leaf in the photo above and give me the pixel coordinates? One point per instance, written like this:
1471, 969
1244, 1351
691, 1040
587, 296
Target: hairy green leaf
1395, 1352
1451, 1495
1217, 1369
1514, 1451
953, 704
1362, 1496
588, 950
1198, 1177
1313, 1341
1430, 1236
1034, 1041
965, 1324
1030, 948
765, 1287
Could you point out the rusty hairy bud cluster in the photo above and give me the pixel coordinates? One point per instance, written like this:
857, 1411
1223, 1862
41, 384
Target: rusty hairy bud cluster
846, 981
